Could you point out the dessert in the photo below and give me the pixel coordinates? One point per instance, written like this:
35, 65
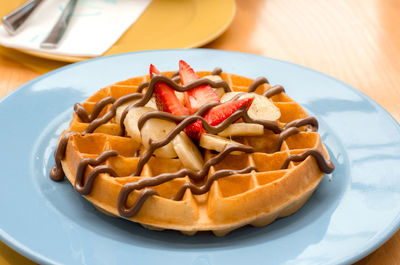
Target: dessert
192, 151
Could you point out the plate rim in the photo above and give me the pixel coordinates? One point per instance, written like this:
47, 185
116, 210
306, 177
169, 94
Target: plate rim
370, 246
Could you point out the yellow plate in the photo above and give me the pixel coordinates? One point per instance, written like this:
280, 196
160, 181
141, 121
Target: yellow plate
165, 24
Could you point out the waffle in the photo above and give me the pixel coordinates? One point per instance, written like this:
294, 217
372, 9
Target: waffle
256, 198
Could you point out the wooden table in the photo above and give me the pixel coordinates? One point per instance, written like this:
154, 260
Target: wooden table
356, 41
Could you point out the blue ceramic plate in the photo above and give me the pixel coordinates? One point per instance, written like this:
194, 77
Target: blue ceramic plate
352, 213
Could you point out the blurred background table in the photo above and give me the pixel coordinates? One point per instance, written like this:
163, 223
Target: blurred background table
356, 41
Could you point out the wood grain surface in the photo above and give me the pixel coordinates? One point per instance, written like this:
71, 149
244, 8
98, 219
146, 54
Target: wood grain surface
356, 41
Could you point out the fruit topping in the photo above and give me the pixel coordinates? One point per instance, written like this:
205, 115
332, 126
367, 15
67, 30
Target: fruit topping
216, 143
157, 129
242, 129
217, 115
198, 96
166, 98
221, 112
219, 90
131, 122
262, 108
120, 109
188, 153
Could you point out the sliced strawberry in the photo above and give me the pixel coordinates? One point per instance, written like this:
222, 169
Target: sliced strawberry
186, 72
217, 115
166, 98
194, 130
198, 96
221, 112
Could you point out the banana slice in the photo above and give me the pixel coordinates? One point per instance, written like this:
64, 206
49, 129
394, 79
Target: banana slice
131, 122
120, 109
188, 153
157, 129
242, 129
261, 108
219, 90
217, 143
152, 103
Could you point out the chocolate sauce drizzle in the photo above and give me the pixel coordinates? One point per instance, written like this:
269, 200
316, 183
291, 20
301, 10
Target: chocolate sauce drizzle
196, 190
85, 188
284, 135
216, 71
275, 90
98, 107
56, 172
324, 165
256, 83
162, 178
111, 113
147, 192
312, 121
142, 86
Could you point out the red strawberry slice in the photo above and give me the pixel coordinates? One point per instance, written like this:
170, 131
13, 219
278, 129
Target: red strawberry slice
194, 130
198, 96
217, 115
221, 112
166, 98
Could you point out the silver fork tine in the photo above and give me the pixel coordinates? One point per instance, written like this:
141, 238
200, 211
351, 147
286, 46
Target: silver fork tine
52, 40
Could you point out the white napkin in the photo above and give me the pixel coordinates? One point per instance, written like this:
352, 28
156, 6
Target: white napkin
94, 27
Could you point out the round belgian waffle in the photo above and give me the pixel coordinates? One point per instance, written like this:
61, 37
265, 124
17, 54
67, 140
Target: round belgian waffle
256, 198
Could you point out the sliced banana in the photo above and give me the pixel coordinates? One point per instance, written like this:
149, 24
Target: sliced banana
217, 143
120, 109
219, 90
261, 108
131, 122
157, 129
151, 103
230, 95
242, 129
188, 153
